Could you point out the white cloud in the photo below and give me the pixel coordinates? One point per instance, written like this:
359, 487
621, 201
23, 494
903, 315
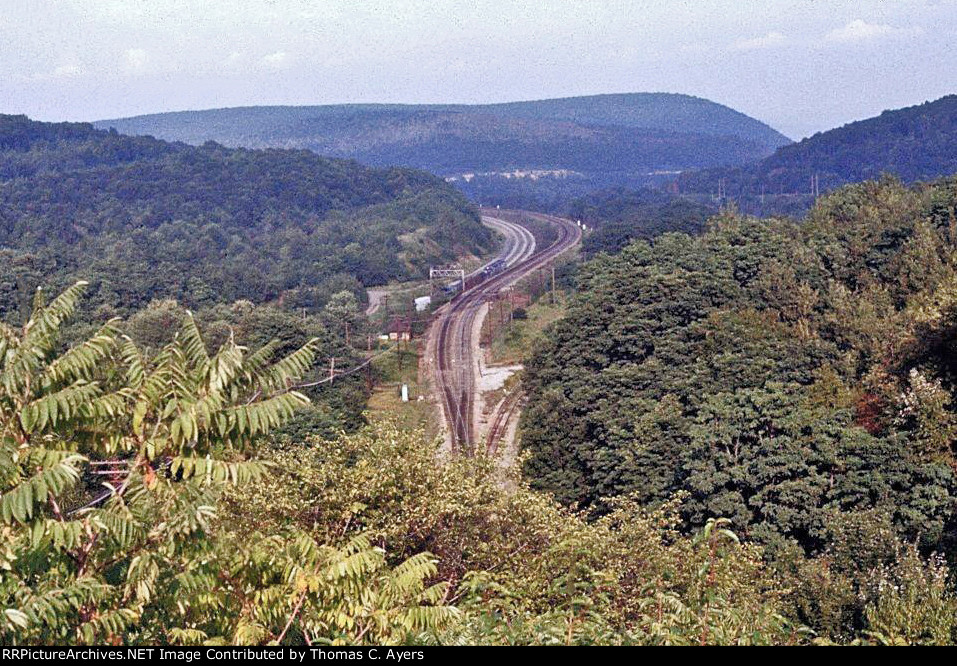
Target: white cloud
234, 63
136, 60
277, 60
67, 71
861, 31
768, 41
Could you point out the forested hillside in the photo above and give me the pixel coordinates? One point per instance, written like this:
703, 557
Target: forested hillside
143, 219
784, 376
914, 143
261, 245
603, 141
619, 216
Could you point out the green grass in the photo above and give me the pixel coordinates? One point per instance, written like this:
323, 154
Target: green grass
386, 398
512, 344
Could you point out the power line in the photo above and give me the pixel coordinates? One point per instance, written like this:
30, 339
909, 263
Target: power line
333, 373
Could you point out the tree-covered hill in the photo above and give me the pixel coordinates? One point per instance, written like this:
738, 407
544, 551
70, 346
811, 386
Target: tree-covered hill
619, 216
605, 137
143, 219
769, 372
914, 143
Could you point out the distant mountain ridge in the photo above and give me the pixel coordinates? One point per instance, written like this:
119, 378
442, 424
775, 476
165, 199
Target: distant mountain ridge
914, 143
631, 134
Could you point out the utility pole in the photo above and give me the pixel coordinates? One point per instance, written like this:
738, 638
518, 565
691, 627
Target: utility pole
398, 344
487, 325
369, 366
553, 284
332, 369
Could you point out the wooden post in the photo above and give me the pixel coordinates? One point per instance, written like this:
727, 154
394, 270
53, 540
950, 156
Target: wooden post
553, 284
488, 324
369, 366
332, 370
398, 345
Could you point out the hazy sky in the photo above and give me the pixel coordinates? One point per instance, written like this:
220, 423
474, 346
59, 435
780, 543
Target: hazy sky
800, 65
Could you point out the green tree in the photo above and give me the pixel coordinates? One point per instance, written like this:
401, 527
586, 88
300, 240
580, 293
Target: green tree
139, 561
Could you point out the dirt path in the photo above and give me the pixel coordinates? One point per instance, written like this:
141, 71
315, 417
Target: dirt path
376, 298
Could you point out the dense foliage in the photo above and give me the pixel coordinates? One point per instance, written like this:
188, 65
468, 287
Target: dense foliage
774, 372
335, 332
619, 216
144, 500
143, 219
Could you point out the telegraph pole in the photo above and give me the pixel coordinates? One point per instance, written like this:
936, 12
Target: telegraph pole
369, 366
487, 324
398, 344
553, 284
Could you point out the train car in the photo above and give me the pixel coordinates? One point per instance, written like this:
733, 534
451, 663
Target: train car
479, 276
452, 288
493, 268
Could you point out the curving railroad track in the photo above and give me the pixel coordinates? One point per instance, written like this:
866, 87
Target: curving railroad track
454, 364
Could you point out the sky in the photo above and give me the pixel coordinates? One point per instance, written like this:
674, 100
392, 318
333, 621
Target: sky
802, 66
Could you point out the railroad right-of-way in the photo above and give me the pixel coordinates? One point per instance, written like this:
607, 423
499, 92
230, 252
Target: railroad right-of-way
454, 347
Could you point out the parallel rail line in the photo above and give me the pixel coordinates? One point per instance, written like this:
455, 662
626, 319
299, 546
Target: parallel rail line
454, 366
503, 416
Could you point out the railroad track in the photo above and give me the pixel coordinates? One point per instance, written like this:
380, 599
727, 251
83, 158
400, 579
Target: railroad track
503, 416
454, 366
